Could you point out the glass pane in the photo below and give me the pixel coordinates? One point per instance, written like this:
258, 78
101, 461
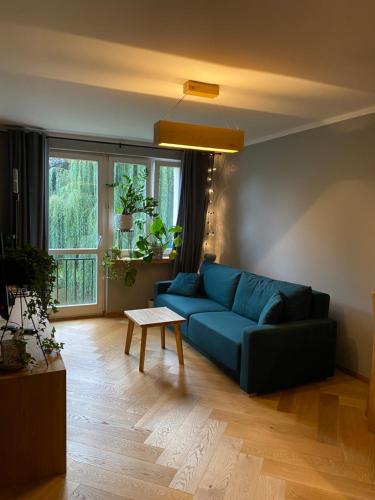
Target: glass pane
73, 203
169, 192
76, 279
126, 240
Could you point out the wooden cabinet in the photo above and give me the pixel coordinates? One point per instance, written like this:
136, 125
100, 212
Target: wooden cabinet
33, 421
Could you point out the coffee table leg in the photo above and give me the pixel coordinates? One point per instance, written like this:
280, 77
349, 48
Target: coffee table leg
162, 330
129, 336
143, 349
179, 343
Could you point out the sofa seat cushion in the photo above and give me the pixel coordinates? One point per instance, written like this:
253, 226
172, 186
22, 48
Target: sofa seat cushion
187, 305
219, 282
219, 335
254, 291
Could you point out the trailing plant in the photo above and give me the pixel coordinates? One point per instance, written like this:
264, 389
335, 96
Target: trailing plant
159, 234
50, 344
132, 196
36, 270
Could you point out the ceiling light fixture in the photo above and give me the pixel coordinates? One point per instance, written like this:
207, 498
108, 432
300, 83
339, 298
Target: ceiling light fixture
201, 137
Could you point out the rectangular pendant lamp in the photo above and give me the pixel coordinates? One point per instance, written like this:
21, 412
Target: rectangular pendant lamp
201, 137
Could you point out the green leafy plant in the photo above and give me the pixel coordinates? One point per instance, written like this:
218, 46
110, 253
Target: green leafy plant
132, 196
36, 270
159, 238
14, 352
50, 344
159, 234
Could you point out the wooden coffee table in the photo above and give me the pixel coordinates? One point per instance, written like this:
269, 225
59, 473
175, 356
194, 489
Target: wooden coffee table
154, 316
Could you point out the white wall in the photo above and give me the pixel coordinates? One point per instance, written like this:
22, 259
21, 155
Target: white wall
302, 208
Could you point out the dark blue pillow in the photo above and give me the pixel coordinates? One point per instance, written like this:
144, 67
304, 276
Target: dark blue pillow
272, 311
185, 284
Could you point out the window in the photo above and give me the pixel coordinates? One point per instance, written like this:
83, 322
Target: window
163, 183
81, 218
168, 192
74, 227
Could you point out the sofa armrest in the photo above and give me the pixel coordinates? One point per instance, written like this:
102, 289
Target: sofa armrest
161, 287
275, 357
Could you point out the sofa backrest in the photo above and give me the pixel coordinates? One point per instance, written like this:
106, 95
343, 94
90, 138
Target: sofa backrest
219, 282
254, 291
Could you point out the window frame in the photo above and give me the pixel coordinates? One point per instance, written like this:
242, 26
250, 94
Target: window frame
73, 310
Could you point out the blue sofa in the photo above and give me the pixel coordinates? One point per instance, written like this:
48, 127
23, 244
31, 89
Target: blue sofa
222, 324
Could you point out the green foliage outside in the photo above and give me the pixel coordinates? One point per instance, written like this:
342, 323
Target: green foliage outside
73, 220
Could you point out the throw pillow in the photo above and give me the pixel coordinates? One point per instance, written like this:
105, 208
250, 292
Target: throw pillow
272, 311
185, 284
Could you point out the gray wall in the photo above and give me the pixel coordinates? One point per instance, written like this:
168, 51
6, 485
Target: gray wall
302, 208
119, 297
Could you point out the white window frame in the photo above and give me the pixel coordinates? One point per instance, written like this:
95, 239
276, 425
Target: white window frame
65, 311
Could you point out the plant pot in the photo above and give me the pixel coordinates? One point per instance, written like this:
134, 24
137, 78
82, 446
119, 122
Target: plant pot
158, 251
124, 222
12, 353
17, 271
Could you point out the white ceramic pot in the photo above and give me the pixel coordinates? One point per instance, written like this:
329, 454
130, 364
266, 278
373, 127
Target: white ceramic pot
157, 251
124, 222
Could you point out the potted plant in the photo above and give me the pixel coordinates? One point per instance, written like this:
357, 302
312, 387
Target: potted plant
34, 270
13, 352
50, 344
159, 238
133, 201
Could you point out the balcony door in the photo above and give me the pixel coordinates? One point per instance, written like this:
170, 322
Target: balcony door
76, 208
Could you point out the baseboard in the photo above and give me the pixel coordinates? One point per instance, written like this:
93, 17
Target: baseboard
354, 374
72, 318
114, 315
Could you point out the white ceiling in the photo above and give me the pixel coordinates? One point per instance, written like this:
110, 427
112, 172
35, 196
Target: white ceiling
112, 68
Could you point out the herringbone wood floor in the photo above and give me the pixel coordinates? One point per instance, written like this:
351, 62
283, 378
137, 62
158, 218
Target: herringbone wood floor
174, 433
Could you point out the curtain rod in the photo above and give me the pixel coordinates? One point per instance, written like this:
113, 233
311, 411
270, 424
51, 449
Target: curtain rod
95, 141
114, 143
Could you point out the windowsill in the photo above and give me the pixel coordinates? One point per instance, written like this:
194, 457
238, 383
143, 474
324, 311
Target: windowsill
163, 260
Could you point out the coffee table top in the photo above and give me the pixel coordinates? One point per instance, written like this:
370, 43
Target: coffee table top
154, 316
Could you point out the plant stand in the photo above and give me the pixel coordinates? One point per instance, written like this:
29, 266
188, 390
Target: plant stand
20, 293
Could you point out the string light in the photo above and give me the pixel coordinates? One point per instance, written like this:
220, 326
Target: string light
210, 212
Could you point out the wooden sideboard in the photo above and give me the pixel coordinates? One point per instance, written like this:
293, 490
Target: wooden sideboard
33, 420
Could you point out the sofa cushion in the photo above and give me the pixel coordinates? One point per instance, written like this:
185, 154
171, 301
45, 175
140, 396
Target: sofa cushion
272, 311
187, 305
220, 282
254, 291
219, 335
186, 284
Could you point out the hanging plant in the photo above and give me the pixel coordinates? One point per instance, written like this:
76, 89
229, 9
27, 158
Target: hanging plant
34, 270
133, 200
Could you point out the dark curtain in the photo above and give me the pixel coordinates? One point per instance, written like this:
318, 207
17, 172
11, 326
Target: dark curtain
28, 214
192, 209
